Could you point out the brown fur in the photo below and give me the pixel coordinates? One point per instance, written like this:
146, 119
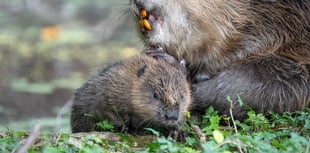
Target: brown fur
132, 93
257, 49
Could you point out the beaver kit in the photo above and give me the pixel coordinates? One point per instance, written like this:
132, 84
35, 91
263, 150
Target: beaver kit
256, 49
132, 94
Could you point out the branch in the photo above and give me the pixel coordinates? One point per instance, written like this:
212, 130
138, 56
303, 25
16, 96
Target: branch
201, 135
31, 139
234, 123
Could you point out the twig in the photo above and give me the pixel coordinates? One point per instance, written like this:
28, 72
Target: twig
232, 117
120, 118
236, 142
201, 135
234, 123
31, 139
64, 109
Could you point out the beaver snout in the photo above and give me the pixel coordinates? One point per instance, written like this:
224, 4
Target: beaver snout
172, 115
148, 14
140, 3
137, 2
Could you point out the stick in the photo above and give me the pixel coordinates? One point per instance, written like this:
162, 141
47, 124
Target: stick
201, 135
31, 138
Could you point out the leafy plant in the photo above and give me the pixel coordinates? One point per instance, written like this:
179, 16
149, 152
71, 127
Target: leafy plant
105, 125
211, 121
257, 121
274, 133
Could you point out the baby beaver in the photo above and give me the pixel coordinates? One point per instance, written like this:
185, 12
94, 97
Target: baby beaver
133, 94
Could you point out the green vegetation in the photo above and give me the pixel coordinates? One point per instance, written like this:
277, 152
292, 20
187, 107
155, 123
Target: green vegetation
46, 65
105, 125
82, 35
289, 132
45, 42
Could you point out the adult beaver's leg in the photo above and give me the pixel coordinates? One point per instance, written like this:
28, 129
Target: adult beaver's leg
273, 83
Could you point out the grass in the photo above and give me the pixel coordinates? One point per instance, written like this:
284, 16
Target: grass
288, 132
22, 85
46, 124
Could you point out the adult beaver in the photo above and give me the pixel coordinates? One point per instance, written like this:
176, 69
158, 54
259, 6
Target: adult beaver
132, 94
257, 49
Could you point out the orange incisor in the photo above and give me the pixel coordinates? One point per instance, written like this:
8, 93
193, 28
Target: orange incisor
143, 22
143, 14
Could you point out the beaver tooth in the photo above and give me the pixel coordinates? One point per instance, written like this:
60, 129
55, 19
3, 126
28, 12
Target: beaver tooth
143, 13
146, 25
141, 23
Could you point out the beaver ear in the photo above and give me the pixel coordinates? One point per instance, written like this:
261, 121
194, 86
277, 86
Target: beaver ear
141, 71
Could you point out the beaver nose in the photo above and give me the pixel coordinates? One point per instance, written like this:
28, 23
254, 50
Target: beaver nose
137, 2
172, 115
141, 3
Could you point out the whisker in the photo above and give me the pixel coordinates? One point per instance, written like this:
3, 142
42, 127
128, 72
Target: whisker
123, 13
120, 13
149, 122
142, 123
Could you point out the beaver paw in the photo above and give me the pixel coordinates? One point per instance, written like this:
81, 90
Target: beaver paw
176, 135
159, 53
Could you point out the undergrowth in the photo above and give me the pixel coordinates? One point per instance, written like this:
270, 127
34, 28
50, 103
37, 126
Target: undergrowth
285, 133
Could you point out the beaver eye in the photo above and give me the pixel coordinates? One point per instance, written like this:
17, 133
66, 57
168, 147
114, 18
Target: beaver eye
156, 95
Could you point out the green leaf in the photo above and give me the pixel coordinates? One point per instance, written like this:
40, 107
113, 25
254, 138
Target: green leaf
152, 130
191, 141
240, 101
188, 114
228, 98
277, 144
218, 136
105, 125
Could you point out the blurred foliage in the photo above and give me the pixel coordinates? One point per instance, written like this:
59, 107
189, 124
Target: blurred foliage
47, 124
47, 45
43, 41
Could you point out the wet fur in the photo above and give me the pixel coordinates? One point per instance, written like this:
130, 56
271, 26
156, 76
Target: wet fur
122, 92
257, 49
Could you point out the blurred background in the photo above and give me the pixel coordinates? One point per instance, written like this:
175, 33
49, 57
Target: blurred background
48, 48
